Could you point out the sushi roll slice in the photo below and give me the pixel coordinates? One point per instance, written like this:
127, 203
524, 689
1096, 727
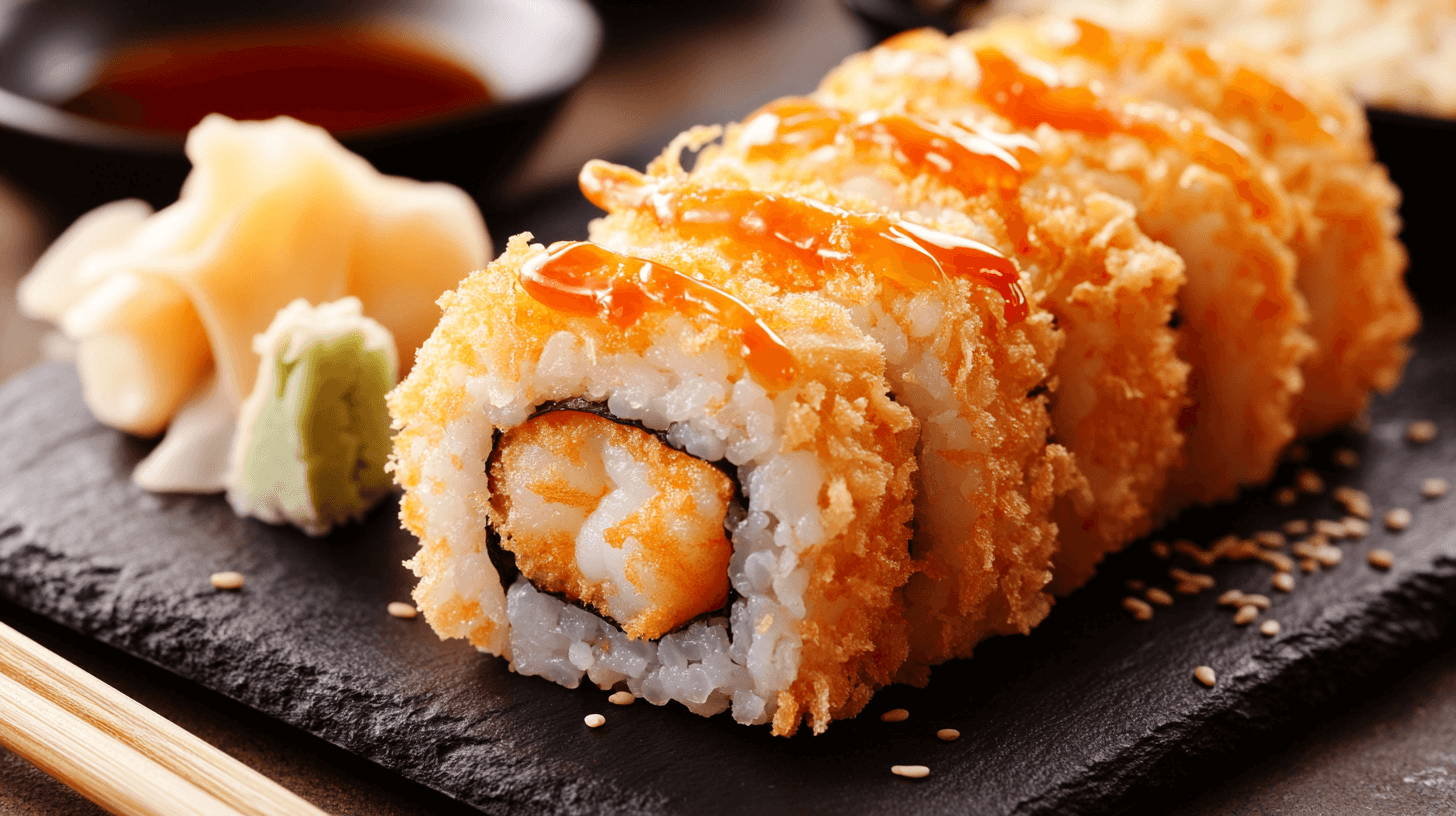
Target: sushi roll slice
1314, 138
1121, 387
1196, 188
699, 492
965, 352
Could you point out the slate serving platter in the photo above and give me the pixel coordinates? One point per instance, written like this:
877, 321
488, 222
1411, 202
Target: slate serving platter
1090, 712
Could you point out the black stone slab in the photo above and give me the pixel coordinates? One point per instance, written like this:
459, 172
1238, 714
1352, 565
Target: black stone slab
1088, 713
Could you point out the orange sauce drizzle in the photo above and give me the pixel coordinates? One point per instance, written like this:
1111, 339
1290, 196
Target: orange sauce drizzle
1202, 63
584, 279
1028, 100
823, 237
1253, 94
967, 160
1249, 91
1093, 42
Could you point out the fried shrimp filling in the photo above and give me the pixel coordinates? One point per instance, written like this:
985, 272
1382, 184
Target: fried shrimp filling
608, 515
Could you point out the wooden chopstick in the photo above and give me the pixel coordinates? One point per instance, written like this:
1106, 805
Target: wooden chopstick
115, 751
98, 766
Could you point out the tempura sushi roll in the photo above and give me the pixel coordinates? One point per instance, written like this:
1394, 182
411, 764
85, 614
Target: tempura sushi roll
1120, 386
1196, 189
965, 352
695, 492
1314, 138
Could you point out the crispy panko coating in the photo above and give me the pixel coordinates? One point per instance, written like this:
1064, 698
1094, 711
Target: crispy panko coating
1314, 138
1241, 317
985, 537
489, 341
1120, 386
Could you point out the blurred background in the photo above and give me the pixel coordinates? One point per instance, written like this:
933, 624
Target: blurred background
611, 80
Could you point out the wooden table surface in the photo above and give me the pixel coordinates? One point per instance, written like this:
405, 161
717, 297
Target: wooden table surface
1386, 748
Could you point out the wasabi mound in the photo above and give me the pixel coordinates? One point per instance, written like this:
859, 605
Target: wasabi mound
313, 436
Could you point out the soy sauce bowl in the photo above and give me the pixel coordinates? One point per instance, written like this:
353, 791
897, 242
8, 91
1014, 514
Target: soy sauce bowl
1417, 151
529, 56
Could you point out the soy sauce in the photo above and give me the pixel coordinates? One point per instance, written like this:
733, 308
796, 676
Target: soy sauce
342, 79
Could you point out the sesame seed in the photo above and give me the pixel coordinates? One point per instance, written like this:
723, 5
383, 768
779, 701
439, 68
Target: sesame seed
1185, 588
1355, 502
948, 735
1397, 519
1205, 676
1421, 431
1285, 497
1309, 565
1159, 597
1223, 546
1283, 581
1381, 559
1269, 538
1296, 527
1246, 614
1346, 458
1197, 579
1329, 556
622, 698
910, 771
1138, 608
1332, 529
1278, 561
1297, 453
401, 610
895, 715
1269, 628
1185, 547
1261, 601
1231, 598
1434, 488
1134, 585
227, 580
1306, 548
594, 720
1242, 550
1160, 549
1356, 527
1309, 481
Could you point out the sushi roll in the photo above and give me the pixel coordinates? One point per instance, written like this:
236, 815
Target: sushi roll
1196, 188
1314, 139
1120, 386
966, 352
887, 368
621, 471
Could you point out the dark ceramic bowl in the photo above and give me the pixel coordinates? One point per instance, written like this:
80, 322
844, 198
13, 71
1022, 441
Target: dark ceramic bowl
528, 54
886, 18
1420, 153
